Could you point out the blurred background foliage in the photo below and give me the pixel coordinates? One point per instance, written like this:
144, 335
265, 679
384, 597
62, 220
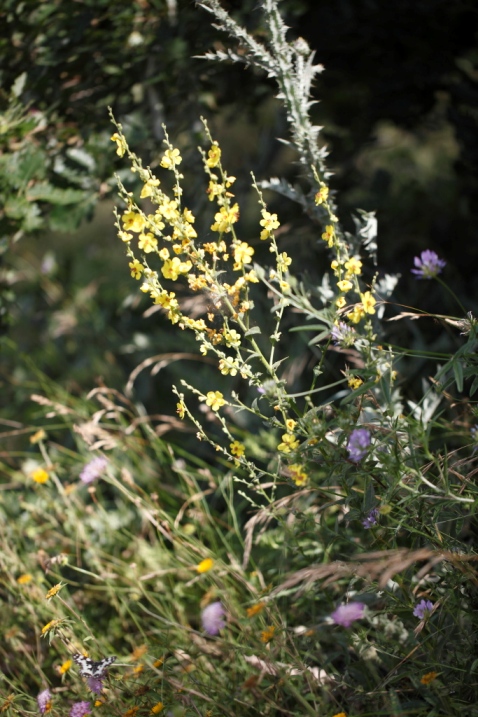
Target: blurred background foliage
399, 103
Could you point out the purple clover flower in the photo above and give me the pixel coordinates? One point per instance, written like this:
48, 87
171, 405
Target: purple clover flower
80, 709
428, 264
43, 700
212, 618
422, 609
359, 441
95, 683
345, 614
94, 469
343, 334
371, 519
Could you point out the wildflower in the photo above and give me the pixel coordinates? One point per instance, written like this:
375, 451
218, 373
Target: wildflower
353, 266
371, 519
428, 265
63, 669
343, 334
171, 158
215, 400
205, 565
212, 618
80, 709
267, 634
136, 268
24, 579
368, 302
120, 144
237, 449
298, 475
290, 424
157, 708
289, 443
354, 382
49, 626
269, 222
149, 187
181, 409
340, 714
94, 469
147, 242
53, 591
423, 609
429, 677
359, 441
133, 222
214, 156
344, 285
44, 701
329, 235
39, 475
283, 261
242, 255
322, 195
344, 615
225, 218
255, 609
357, 314
131, 712
37, 437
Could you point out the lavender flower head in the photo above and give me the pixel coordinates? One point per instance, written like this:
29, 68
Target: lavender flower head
43, 700
343, 334
94, 469
212, 618
80, 709
422, 609
346, 614
359, 441
95, 683
371, 519
428, 264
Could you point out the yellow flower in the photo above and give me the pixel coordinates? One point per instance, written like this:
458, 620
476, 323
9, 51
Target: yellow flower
232, 338
149, 187
429, 677
215, 400
121, 146
357, 314
133, 222
290, 424
65, 667
329, 235
322, 195
136, 268
172, 268
131, 712
37, 437
49, 626
237, 449
354, 382
269, 222
340, 714
267, 634
147, 242
39, 475
255, 609
181, 409
368, 302
157, 708
24, 579
289, 443
225, 218
214, 156
353, 266
53, 591
345, 285
125, 236
242, 255
205, 565
298, 475
340, 302
171, 158
283, 261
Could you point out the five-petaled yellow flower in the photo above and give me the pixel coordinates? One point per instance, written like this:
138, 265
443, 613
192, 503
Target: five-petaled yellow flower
215, 400
237, 449
121, 145
322, 195
289, 443
298, 474
171, 158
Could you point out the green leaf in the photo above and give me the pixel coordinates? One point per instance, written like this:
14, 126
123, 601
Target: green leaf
45, 192
458, 373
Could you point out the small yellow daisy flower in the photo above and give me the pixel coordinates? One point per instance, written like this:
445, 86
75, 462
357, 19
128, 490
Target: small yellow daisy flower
53, 591
205, 565
24, 579
157, 708
65, 667
39, 475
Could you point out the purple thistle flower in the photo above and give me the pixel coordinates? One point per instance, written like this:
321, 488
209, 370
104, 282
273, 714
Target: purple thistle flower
94, 469
428, 264
346, 614
43, 700
80, 709
422, 609
212, 618
343, 334
371, 519
359, 441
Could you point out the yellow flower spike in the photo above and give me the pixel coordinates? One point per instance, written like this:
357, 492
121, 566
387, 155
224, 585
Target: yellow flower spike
54, 591
215, 400
39, 475
205, 565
